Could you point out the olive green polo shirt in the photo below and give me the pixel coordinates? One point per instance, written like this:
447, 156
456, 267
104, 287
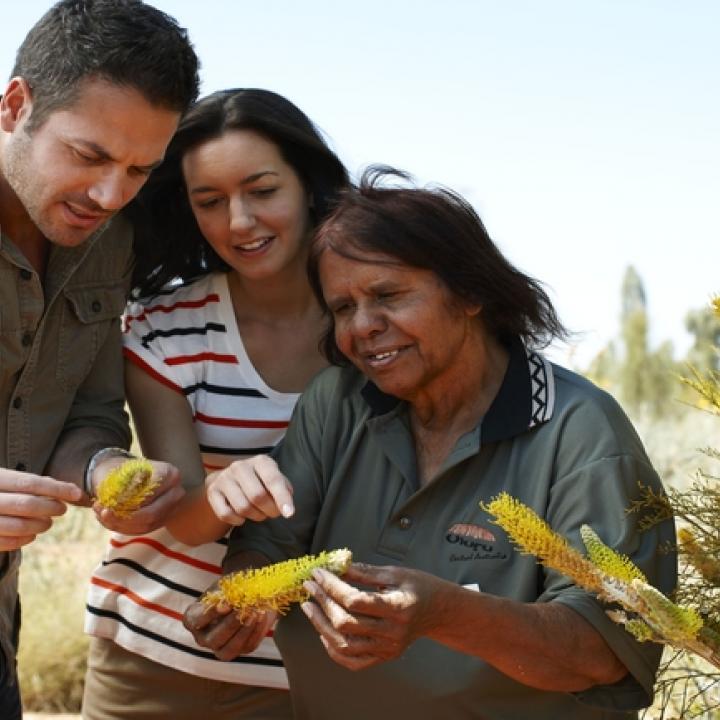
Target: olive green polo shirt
550, 439
60, 358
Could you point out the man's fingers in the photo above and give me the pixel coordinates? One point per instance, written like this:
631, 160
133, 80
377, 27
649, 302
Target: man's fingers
38, 485
30, 506
20, 527
15, 543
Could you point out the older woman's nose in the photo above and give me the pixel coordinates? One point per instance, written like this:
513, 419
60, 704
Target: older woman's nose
367, 321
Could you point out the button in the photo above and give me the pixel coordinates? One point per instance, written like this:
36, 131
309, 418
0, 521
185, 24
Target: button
27, 339
96, 306
25, 274
21, 467
17, 403
405, 523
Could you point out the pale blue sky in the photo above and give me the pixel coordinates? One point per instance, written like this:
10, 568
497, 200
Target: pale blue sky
585, 132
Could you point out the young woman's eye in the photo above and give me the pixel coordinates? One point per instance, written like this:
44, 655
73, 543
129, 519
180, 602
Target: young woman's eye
264, 192
207, 204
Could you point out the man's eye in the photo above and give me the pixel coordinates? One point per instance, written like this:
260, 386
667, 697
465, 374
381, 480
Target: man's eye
85, 158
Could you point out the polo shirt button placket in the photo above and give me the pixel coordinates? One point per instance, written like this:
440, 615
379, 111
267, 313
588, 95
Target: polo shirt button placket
405, 522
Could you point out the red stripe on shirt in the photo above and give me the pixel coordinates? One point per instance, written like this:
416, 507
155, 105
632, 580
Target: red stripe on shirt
240, 423
122, 590
169, 553
150, 370
180, 305
201, 357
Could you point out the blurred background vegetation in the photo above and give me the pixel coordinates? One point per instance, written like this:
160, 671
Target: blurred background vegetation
668, 414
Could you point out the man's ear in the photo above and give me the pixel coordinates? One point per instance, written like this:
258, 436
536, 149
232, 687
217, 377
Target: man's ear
15, 104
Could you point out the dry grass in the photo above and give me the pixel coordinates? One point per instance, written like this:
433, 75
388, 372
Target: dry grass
53, 585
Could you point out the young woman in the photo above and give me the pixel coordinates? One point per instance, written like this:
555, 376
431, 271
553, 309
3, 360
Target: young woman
222, 342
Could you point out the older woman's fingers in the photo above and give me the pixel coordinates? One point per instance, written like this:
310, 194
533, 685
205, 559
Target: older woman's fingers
356, 601
198, 617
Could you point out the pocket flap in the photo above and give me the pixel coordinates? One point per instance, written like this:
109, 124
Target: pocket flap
95, 304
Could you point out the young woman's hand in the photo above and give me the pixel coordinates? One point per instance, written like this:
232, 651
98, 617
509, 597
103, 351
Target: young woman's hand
252, 489
155, 511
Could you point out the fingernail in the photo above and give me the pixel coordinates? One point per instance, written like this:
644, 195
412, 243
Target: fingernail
310, 586
287, 510
306, 607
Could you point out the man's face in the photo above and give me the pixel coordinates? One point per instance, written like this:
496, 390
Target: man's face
85, 162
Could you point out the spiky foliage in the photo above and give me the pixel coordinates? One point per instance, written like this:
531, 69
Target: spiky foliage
274, 587
649, 615
127, 487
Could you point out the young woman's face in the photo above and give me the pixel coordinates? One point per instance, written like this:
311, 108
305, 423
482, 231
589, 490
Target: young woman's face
249, 203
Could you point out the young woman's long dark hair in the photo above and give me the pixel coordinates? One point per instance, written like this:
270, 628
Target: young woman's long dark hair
168, 243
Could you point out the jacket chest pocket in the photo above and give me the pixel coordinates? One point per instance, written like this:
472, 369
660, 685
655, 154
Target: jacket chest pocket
87, 314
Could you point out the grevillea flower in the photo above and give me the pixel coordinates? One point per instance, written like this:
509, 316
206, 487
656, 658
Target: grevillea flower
646, 612
534, 536
611, 563
274, 587
125, 489
707, 566
715, 304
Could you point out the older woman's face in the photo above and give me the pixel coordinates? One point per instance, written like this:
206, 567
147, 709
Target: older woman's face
399, 325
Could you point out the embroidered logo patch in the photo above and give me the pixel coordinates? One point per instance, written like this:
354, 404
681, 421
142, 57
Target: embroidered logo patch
471, 531
472, 542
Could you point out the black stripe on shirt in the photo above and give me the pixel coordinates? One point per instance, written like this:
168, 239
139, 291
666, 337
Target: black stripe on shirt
160, 579
223, 390
174, 332
236, 451
243, 659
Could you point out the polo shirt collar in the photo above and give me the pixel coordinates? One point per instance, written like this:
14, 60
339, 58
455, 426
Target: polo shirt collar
526, 397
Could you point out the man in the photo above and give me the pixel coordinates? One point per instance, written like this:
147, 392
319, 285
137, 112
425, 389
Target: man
95, 95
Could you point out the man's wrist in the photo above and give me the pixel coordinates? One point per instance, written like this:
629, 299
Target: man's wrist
95, 459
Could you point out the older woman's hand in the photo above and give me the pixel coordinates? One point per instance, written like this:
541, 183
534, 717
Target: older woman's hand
360, 628
217, 628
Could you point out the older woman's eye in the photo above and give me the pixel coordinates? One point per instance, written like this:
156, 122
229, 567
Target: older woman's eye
341, 309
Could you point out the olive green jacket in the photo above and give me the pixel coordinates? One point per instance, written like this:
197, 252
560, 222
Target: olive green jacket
60, 361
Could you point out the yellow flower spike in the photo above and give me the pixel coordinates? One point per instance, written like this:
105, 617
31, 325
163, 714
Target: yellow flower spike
715, 303
707, 566
274, 587
640, 630
610, 562
679, 625
125, 489
534, 536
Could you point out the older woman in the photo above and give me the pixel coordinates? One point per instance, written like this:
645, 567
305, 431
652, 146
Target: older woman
439, 401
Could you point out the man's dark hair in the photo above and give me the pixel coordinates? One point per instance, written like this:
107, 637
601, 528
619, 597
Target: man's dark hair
434, 229
125, 42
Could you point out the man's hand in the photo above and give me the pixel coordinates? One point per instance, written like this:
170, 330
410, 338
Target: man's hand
155, 510
218, 628
252, 489
28, 503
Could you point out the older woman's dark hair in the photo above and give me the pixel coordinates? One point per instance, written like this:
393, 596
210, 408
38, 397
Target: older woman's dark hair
168, 243
434, 229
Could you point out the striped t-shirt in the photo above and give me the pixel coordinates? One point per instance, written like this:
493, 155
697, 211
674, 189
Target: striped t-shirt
188, 339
